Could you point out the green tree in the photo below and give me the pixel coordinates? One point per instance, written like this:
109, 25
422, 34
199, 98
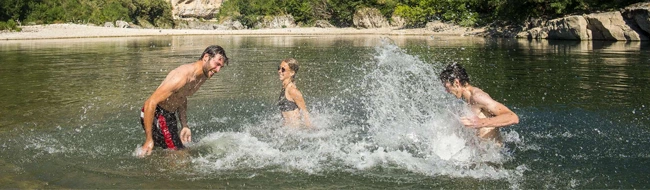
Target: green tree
13, 9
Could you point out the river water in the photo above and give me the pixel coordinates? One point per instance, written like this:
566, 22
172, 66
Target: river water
70, 114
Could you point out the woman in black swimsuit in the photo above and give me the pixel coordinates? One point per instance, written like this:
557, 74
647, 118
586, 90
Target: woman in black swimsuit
291, 103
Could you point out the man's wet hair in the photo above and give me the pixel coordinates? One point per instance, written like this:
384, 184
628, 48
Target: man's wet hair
213, 50
452, 72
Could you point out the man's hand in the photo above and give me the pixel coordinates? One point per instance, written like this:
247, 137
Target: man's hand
146, 148
186, 135
470, 122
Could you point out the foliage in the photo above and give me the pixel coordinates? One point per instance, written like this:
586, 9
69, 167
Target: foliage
472, 12
305, 12
251, 11
12, 9
9, 25
86, 11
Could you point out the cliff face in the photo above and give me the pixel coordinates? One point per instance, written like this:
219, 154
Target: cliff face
195, 8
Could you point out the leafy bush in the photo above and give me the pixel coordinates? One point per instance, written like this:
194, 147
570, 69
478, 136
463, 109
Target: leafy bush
9, 25
418, 13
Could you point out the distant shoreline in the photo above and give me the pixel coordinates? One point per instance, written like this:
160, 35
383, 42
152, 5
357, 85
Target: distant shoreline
63, 31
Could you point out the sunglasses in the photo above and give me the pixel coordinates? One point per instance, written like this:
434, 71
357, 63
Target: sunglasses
281, 69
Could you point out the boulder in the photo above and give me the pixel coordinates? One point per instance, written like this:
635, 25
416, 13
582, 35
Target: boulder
121, 24
195, 9
533, 33
109, 24
236, 25
369, 18
229, 24
611, 26
283, 21
639, 14
323, 24
134, 26
629, 24
567, 28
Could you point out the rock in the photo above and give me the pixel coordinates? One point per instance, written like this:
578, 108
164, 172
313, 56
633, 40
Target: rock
134, 26
122, 24
236, 25
369, 18
109, 24
534, 23
630, 24
284, 21
196, 9
229, 24
533, 33
323, 24
567, 28
397, 21
611, 26
639, 14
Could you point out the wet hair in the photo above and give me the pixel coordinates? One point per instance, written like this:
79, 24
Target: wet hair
213, 50
452, 72
293, 65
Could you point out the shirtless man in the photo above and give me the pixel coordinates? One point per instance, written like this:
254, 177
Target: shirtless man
489, 114
158, 116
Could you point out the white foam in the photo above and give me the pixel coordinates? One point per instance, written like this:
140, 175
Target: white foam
410, 123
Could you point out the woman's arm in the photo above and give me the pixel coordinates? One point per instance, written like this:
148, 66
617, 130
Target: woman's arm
297, 97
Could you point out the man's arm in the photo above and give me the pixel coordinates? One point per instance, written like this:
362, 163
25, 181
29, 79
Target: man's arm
297, 97
501, 116
170, 85
186, 133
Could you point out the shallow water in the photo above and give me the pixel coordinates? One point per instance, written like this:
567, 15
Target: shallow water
70, 113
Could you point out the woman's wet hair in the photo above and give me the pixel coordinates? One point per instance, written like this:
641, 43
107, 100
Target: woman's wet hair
213, 50
452, 72
293, 65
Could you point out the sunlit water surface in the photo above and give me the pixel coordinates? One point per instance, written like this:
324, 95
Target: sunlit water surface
70, 114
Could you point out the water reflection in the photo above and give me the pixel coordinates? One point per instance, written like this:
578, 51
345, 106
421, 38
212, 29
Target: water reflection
558, 46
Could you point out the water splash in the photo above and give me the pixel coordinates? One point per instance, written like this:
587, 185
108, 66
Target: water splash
405, 121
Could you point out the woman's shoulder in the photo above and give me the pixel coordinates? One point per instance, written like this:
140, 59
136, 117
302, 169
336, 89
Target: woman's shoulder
293, 90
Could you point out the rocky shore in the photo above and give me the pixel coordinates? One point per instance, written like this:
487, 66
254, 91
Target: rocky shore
629, 24
62, 31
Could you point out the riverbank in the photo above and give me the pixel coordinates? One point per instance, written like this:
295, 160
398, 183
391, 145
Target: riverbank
62, 31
